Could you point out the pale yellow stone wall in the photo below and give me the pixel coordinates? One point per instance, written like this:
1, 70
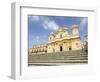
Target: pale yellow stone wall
75, 43
50, 48
60, 41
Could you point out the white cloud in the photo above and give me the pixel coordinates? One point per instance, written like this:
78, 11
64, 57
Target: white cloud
34, 39
83, 22
46, 22
83, 25
49, 24
82, 28
37, 39
35, 18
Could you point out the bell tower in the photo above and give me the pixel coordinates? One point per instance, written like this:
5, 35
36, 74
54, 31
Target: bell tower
75, 42
75, 30
51, 37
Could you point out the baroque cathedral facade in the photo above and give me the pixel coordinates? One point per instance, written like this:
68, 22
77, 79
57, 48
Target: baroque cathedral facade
60, 41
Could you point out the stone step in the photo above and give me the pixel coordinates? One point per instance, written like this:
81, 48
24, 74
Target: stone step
47, 59
56, 54
66, 57
67, 61
61, 57
78, 54
56, 63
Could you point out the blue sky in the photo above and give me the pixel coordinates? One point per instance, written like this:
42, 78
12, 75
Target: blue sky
39, 27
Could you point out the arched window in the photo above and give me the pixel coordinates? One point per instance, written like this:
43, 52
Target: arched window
49, 48
60, 35
77, 44
50, 38
53, 50
61, 48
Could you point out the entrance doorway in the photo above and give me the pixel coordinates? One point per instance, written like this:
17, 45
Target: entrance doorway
70, 48
61, 48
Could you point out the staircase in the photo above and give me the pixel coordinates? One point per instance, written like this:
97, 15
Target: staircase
66, 57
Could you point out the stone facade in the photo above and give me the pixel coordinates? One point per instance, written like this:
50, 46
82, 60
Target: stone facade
60, 41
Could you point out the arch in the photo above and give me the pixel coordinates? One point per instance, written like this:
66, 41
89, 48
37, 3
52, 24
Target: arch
61, 48
60, 35
70, 48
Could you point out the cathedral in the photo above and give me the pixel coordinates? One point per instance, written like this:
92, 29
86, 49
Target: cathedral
59, 41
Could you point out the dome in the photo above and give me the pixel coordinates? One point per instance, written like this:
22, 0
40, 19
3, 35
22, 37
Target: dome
75, 26
62, 29
52, 33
